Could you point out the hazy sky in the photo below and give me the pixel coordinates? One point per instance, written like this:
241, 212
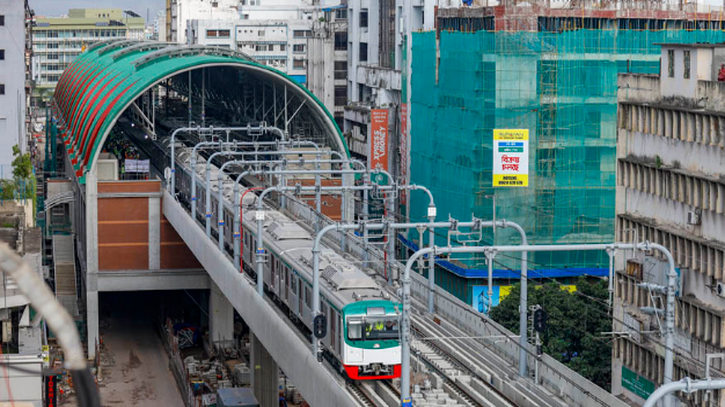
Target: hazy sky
58, 7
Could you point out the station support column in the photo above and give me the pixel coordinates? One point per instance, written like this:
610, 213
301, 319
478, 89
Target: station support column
265, 375
221, 317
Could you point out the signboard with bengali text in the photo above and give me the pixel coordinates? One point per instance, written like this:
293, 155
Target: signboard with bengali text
511, 158
637, 384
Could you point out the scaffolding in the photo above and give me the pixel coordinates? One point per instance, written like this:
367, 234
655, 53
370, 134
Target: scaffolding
559, 84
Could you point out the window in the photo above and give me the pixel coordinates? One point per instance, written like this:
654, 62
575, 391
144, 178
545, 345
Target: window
260, 33
298, 48
301, 33
340, 69
299, 63
364, 18
341, 14
262, 47
671, 63
223, 33
2, 88
381, 328
363, 52
354, 329
308, 297
686, 59
340, 95
2, 20
341, 41
2, 54
283, 47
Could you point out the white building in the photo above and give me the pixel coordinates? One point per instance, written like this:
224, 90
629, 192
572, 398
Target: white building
375, 55
57, 41
327, 60
671, 191
281, 44
12, 82
181, 11
160, 26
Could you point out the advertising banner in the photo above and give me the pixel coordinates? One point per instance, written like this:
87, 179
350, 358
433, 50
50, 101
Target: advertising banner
510, 158
480, 295
378, 157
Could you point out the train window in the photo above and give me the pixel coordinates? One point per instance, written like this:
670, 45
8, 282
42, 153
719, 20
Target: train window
293, 284
381, 328
354, 328
308, 297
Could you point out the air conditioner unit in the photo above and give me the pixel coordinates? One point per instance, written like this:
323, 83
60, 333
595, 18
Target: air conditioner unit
720, 290
693, 217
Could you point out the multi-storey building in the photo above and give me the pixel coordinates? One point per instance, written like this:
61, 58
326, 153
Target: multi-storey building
327, 60
13, 85
57, 41
160, 26
180, 12
553, 72
376, 33
670, 190
281, 44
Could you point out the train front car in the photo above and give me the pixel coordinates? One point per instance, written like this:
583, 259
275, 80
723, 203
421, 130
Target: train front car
371, 345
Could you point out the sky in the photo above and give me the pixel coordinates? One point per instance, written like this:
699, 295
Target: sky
58, 7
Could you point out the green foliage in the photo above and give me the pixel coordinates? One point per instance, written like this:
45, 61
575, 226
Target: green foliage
22, 166
22, 186
574, 325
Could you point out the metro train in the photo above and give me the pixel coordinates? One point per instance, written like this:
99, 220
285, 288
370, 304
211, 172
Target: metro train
363, 335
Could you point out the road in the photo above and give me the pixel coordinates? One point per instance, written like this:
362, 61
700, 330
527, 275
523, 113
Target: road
134, 364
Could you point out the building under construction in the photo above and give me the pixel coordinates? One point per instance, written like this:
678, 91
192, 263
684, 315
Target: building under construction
551, 69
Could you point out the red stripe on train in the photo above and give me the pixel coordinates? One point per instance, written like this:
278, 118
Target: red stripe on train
352, 372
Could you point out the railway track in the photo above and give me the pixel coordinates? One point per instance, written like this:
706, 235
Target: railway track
474, 356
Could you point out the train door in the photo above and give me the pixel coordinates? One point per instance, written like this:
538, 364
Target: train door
300, 291
286, 282
333, 336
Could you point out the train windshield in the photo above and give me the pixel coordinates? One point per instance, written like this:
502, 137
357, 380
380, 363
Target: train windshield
371, 329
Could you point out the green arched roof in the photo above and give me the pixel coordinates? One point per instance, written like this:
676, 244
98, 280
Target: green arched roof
96, 88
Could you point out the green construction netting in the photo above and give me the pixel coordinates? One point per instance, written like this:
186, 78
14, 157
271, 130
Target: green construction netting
560, 86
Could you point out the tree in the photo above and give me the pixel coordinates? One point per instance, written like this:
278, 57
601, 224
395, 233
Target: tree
22, 165
574, 325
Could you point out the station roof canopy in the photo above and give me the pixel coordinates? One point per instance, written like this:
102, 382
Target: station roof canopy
101, 83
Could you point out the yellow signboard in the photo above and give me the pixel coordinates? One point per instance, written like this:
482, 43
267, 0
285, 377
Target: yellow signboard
511, 157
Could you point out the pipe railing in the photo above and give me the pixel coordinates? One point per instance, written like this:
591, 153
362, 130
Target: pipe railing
220, 200
232, 144
476, 224
669, 312
687, 385
198, 130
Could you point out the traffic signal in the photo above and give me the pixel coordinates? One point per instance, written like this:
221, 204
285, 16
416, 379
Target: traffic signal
319, 326
539, 320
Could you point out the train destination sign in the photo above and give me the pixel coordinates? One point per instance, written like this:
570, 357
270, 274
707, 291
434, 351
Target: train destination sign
510, 158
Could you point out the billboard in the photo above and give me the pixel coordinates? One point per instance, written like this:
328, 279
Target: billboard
403, 150
481, 303
378, 156
511, 157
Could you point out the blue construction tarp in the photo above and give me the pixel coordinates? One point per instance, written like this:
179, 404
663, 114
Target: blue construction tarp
533, 273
